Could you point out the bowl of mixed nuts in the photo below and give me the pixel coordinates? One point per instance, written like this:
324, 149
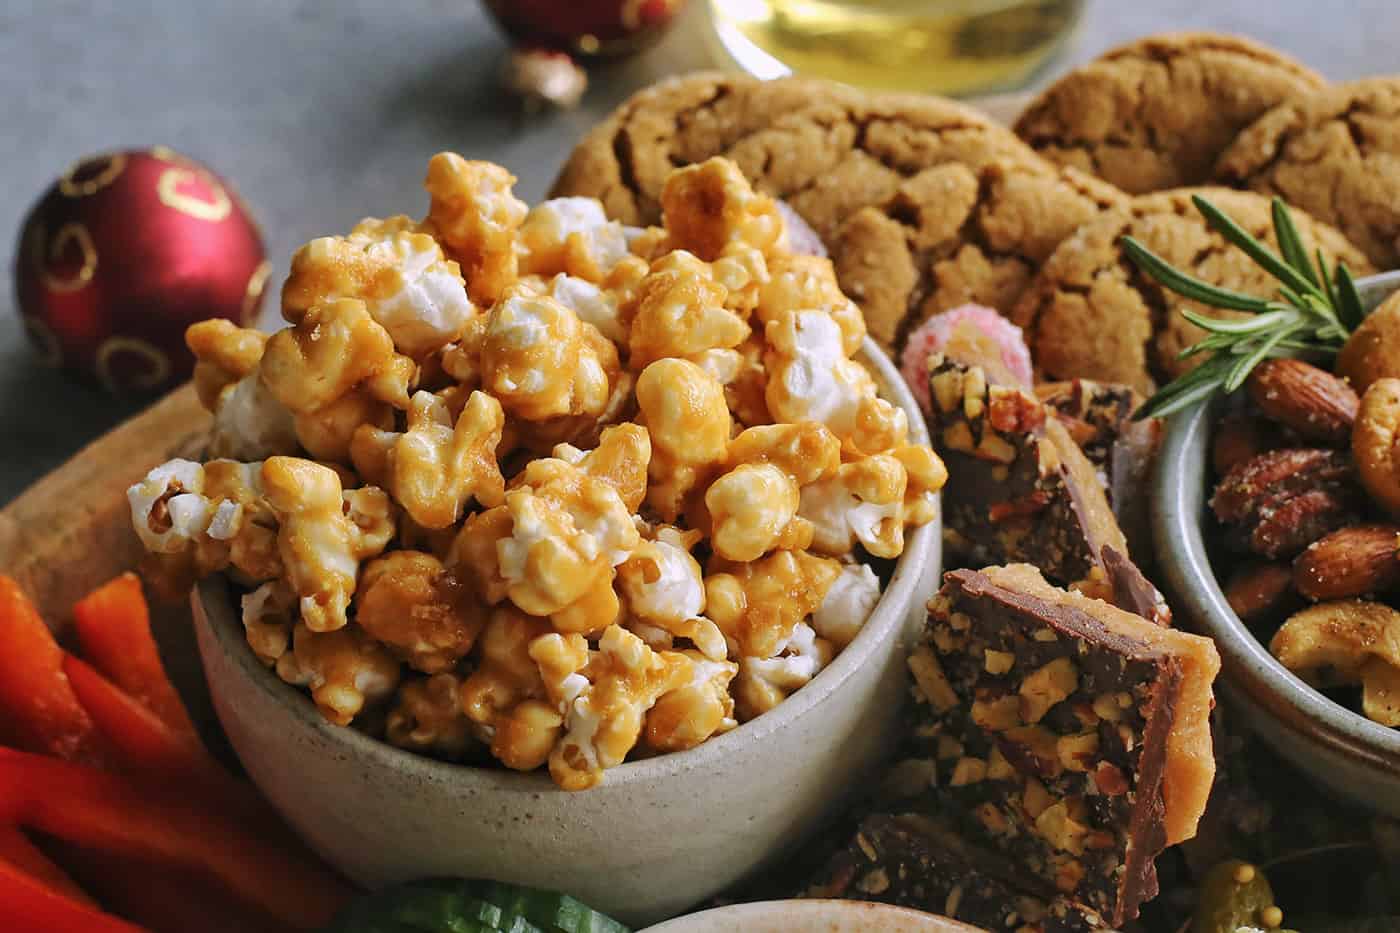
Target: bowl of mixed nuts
1277, 525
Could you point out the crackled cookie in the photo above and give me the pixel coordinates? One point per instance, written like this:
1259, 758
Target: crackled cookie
1335, 154
923, 203
1092, 314
1156, 113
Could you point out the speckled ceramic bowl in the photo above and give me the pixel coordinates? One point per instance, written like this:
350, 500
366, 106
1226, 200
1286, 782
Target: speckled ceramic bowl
1342, 750
655, 838
814, 916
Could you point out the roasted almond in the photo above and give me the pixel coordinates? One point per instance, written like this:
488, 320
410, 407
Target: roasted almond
1261, 591
1242, 436
1357, 561
1318, 405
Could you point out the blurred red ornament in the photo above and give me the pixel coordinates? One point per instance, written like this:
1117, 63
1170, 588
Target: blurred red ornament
124, 252
585, 27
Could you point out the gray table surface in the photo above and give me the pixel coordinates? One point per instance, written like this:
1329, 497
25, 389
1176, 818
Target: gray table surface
325, 111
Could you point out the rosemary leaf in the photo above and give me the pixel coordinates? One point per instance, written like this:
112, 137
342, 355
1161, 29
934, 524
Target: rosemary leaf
1187, 286
1311, 315
1200, 383
1350, 311
1327, 284
1240, 371
1260, 322
1261, 254
1290, 243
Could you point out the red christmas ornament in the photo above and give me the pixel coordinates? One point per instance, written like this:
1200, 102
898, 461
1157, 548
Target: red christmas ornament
124, 252
591, 28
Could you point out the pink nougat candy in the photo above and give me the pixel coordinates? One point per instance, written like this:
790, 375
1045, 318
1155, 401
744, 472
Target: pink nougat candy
973, 335
801, 237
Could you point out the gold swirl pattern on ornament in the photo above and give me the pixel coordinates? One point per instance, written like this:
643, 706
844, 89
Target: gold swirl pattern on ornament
156, 373
166, 154
50, 351
108, 168
251, 295
71, 234
168, 190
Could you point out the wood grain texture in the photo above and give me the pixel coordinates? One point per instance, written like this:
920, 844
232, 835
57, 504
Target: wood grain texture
71, 530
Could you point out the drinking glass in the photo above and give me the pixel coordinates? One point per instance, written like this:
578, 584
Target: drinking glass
942, 46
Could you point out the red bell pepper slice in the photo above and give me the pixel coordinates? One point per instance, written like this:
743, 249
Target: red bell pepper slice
114, 629
165, 899
100, 810
38, 711
29, 906
16, 849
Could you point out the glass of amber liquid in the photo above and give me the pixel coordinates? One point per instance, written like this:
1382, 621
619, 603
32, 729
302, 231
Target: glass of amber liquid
940, 46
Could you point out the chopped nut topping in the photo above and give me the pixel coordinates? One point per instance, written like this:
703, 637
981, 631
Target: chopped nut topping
931, 681
998, 662
1046, 687
968, 771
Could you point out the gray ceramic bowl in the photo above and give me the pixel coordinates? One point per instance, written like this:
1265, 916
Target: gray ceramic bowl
1342, 750
810, 916
656, 837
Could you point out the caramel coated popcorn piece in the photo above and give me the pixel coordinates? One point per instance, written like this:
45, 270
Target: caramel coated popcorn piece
224, 353
408, 601
399, 271
314, 538
626, 678
758, 604
541, 361
427, 717
568, 531
345, 670
334, 348
684, 411
475, 217
688, 715
434, 468
573, 237
753, 509
679, 311
706, 207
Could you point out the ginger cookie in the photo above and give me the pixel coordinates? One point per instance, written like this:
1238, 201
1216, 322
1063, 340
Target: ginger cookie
1091, 313
923, 203
1157, 113
1336, 155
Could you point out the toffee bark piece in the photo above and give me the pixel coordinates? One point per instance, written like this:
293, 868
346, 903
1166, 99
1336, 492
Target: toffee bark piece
1072, 736
912, 861
1099, 416
1020, 489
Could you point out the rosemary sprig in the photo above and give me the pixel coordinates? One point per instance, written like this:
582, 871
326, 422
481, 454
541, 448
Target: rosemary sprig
1312, 312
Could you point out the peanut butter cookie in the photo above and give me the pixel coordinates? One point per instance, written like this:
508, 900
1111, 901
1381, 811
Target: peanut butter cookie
1336, 155
1156, 113
923, 203
1092, 314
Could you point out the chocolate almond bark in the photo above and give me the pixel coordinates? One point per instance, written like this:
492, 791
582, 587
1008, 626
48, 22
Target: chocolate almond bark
1068, 734
1099, 417
913, 861
1020, 489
